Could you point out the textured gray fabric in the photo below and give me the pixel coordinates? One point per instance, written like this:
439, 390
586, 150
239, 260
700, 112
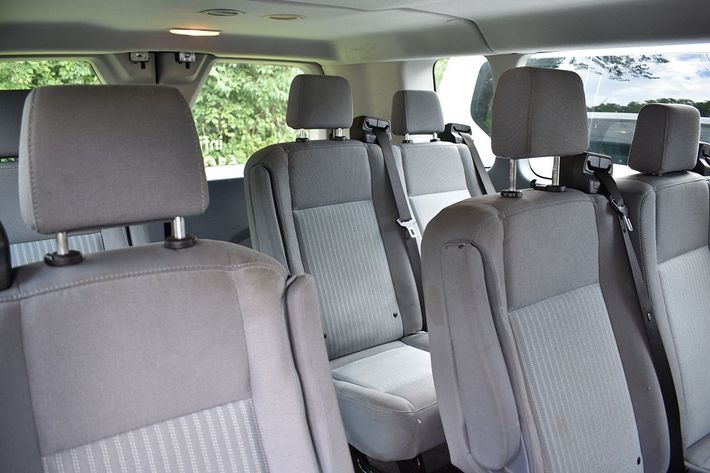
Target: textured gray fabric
11, 103
388, 402
34, 251
317, 101
425, 207
135, 148
17, 230
100, 365
685, 284
225, 438
576, 383
470, 257
539, 112
416, 112
665, 139
698, 456
343, 250
305, 332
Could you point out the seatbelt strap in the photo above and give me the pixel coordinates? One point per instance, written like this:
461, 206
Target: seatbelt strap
483, 177
653, 334
404, 219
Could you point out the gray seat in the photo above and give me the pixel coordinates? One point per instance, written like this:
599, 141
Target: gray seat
670, 209
325, 208
434, 174
188, 356
28, 246
539, 357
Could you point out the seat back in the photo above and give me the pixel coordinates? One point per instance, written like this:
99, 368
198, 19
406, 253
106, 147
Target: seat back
28, 246
185, 356
670, 209
325, 208
538, 357
435, 174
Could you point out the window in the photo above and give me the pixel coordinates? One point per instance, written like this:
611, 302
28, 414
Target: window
241, 109
618, 83
468, 101
36, 73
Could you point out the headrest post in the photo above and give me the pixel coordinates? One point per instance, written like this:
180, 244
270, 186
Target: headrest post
338, 135
63, 256
179, 238
178, 225
512, 192
302, 135
62, 244
434, 137
407, 138
556, 171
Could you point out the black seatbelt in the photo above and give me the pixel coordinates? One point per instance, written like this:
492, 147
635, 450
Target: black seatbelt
655, 341
405, 219
451, 131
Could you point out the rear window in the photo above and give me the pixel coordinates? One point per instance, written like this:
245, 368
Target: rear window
241, 109
29, 74
37, 73
465, 88
618, 83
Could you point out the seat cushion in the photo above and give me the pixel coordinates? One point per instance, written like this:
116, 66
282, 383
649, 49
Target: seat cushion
698, 456
387, 400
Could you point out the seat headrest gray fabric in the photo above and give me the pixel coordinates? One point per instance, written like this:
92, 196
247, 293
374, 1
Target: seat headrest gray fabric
316, 102
101, 156
11, 103
666, 139
539, 112
416, 112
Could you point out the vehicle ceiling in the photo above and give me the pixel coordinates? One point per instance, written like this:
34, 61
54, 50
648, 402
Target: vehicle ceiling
346, 31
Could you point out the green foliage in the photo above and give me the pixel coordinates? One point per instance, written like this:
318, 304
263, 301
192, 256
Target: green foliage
635, 107
439, 70
30, 74
241, 109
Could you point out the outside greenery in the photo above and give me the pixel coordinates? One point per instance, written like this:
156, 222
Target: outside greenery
240, 109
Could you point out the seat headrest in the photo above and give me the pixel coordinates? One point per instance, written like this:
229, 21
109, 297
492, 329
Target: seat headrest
11, 103
319, 102
102, 156
417, 112
666, 139
539, 112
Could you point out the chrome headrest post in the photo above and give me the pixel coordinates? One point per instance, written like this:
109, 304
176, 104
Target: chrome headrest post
556, 171
179, 238
512, 192
63, 256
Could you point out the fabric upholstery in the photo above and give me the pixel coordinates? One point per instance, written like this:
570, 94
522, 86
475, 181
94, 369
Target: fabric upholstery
325, 207
576, 382
666, 139
539, 112
317, 101
388, 402
674, 264
698, 456
416, 112
81, 339
538, 371
685, 286
225, 438
11, 104
119, 185
342, 248
435, 175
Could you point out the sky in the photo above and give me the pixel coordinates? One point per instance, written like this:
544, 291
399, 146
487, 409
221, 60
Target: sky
685, 76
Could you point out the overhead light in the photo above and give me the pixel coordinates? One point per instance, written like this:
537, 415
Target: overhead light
222, 12
194, 32
284, 17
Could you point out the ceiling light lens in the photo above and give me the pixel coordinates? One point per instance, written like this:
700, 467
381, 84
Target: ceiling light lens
284, 17
222, 12
194, 32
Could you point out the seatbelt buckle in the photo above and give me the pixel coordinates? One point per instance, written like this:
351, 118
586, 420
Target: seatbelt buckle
623, 212
409, 225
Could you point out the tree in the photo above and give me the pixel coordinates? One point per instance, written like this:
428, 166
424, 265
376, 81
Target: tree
620, 68
31, 74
